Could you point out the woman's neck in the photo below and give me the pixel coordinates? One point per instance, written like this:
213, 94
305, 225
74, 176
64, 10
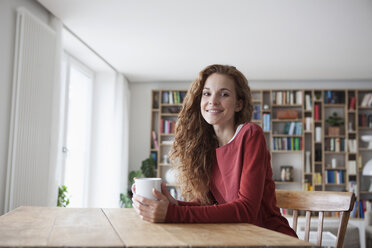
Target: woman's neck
224, 134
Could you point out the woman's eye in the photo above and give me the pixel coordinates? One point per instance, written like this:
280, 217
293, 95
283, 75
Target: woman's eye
224, 94
206, 94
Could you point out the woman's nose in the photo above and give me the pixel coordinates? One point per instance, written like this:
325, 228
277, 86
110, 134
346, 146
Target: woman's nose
213, 100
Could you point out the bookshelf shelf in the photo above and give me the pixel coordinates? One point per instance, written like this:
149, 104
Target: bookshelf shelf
286, 105
286, 151
286, 120
336, 184
329, 105
169, 114
365, 128
281, 182
365, 149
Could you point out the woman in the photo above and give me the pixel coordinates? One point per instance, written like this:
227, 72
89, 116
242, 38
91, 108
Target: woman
222, 159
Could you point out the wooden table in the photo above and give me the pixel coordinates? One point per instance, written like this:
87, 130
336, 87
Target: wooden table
94, 227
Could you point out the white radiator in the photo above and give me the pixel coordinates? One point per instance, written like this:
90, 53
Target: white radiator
31, 113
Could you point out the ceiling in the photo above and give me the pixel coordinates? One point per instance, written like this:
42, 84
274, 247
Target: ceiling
168, 40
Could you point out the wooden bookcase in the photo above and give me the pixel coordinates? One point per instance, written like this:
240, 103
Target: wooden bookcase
294, 124
166, 104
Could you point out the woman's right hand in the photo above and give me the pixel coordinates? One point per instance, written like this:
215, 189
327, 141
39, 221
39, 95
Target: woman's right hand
164, 190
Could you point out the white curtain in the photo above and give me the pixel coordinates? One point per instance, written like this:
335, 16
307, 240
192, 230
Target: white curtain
109, 140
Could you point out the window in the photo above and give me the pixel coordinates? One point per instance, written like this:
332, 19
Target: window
79, 88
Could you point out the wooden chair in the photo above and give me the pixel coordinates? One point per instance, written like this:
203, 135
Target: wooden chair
318, 201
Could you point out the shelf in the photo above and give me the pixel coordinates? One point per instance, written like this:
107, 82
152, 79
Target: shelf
334, 136
155, 110
287, 105
281, 182
340, 168
286, 151
170, 105
330, 105
365, 149
165, 144
336, 184
167, 134
287, 135
286, 120
330, 152
366, 108
365, 128
365, 192
169, 114
164, 164
256, 100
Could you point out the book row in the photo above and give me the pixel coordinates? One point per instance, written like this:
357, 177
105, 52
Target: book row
287, 97
287, 144
360, 207
334, 97
266, 123
256, 112
293, 128
335, 176
365, 120
173, 97
167, 126
367, 100
334, 145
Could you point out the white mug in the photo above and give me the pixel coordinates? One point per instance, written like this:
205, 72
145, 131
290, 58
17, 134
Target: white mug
144, 186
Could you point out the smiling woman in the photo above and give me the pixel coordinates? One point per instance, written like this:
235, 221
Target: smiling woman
222, 159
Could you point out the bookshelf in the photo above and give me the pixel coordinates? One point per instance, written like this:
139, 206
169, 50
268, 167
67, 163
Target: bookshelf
166, 104
297, 136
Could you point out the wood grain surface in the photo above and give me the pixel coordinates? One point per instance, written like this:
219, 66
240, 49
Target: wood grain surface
93, 227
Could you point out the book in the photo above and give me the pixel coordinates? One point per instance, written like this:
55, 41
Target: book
352, 102
298, 97
367, 100
308, 123
316, 114
154, 139
351, 167
308, 102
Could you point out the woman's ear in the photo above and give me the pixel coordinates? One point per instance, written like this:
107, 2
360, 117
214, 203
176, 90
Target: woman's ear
239, 105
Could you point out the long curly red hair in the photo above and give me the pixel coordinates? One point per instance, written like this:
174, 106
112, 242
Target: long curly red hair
193, 152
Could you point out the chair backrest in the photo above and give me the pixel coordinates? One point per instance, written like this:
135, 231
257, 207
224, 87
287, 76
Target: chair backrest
318, 201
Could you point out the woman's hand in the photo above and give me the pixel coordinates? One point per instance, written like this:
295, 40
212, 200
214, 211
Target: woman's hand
153, 210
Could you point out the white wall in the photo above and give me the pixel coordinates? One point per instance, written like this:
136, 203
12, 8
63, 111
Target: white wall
140, 116
8, 29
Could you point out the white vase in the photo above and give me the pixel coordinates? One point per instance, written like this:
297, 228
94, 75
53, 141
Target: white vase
171, 176
307, 165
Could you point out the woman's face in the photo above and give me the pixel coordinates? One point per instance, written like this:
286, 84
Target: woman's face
219, 101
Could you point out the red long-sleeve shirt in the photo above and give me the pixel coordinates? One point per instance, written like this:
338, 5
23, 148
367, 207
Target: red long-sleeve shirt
242, 185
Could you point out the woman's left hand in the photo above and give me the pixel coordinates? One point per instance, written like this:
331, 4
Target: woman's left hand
151, 210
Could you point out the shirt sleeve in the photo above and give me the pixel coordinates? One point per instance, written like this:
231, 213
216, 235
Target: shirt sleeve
247, 205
